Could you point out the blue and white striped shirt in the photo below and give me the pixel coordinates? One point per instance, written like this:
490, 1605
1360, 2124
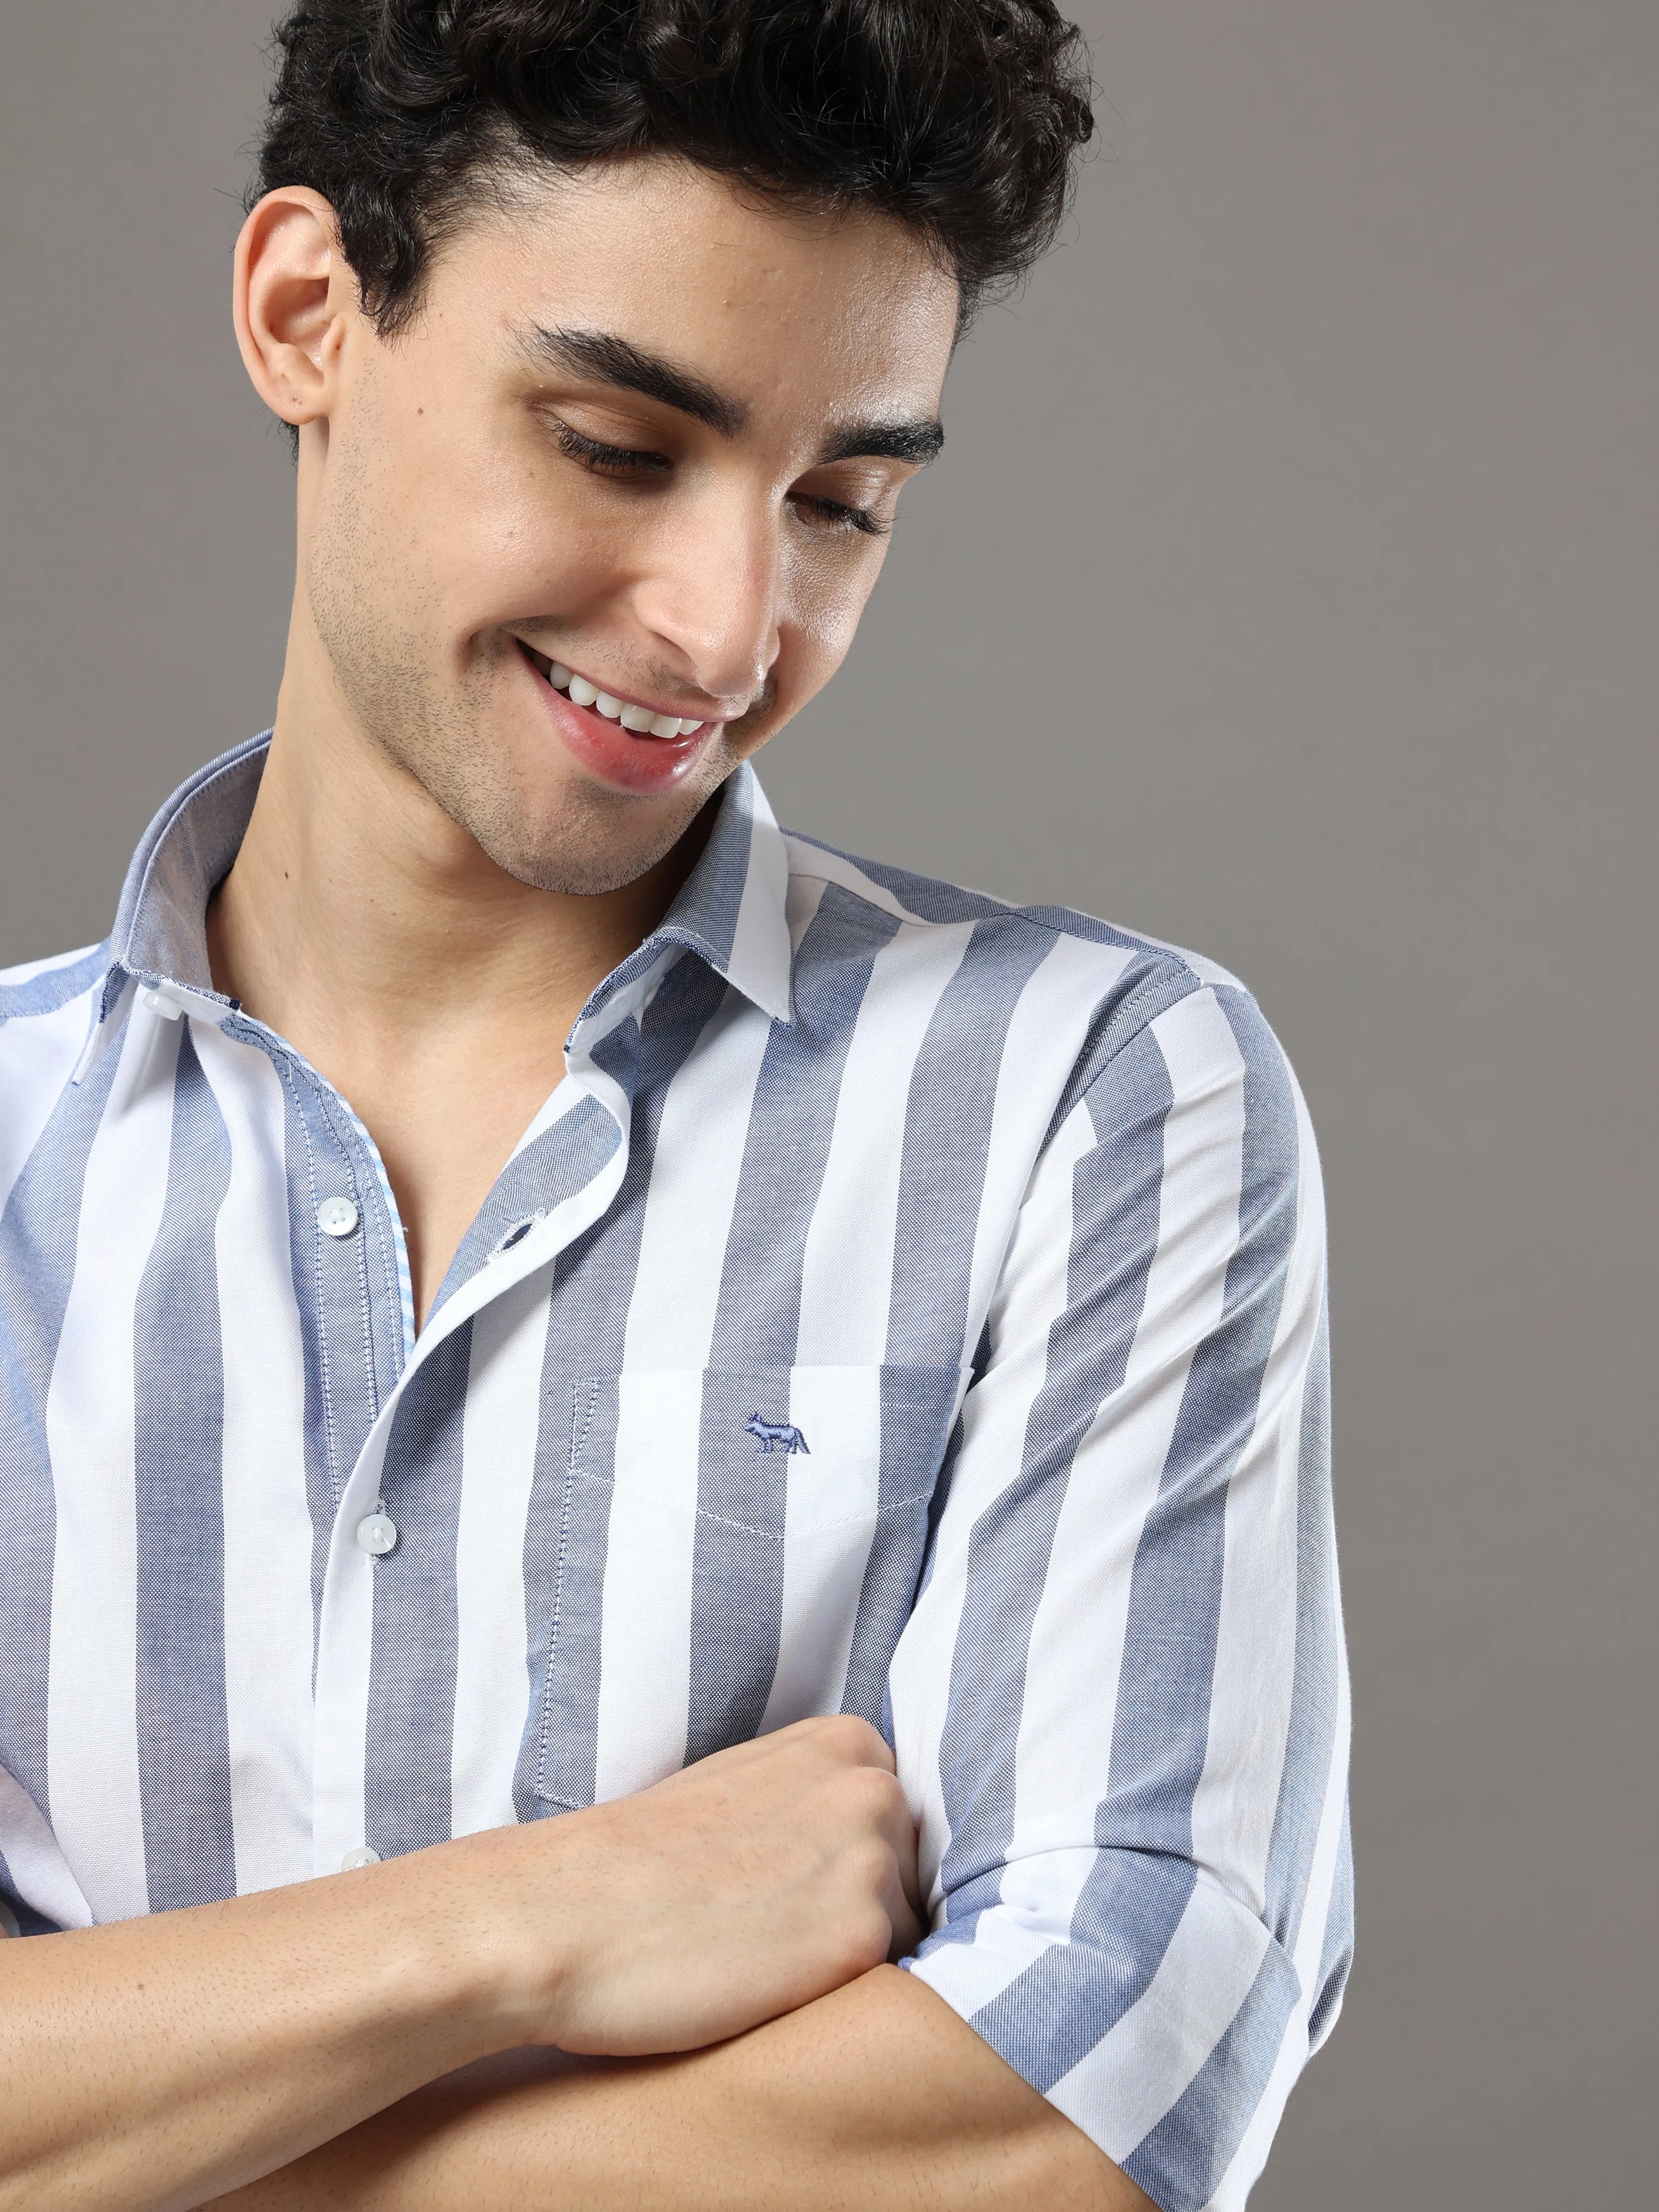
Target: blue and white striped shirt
907, 1304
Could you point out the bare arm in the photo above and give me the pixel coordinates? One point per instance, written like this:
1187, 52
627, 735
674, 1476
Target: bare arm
164, 2061
877, 2096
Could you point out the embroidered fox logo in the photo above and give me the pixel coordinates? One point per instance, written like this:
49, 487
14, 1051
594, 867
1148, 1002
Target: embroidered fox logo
776, 1436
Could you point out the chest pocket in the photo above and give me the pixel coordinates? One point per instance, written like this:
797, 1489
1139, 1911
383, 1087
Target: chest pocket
737, 1548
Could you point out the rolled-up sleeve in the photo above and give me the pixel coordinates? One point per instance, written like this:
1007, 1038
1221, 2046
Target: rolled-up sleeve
1120, 1703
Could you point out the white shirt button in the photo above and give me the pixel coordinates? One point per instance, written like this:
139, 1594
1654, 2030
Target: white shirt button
336, 1217
361, 1857
377, 1535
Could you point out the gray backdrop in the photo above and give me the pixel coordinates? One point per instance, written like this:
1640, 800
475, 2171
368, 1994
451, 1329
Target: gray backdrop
1285, 592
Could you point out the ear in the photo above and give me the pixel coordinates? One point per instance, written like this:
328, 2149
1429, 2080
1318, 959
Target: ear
295, 297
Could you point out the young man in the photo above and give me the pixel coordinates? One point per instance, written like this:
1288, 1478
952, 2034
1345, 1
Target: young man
526, 1291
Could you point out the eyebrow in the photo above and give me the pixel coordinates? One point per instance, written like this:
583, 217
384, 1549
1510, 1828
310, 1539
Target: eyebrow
918, 441
614, 360
608, 358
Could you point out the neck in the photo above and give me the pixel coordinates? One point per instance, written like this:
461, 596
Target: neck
357, 906
431, 989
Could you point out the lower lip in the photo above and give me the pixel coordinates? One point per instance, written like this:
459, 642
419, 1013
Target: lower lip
624, 759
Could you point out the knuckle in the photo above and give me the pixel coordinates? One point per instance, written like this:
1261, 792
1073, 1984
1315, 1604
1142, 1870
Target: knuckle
854, 1739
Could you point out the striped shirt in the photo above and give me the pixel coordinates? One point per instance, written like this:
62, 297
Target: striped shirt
907, 1304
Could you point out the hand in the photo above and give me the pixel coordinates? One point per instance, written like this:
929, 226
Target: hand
742, 1889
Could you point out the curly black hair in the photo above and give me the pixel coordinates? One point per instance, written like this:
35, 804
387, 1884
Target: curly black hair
959, 118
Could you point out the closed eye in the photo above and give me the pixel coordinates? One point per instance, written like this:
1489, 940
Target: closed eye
617, 461
836, 514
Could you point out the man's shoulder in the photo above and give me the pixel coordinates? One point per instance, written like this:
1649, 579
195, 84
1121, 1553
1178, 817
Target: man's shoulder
1040, 1001
39, 988
990, 932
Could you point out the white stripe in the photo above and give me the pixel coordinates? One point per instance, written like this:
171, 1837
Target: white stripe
759, 960
267, 1520
1082, 1616
500, 1425
811, 862
805, 896
37, 1054
29, 969
829, 1520
1251, 2156
92, 1744
847, 1269
1064, 1755
994, 1417
694, 1188
564, 1097
38, 1865
1254, 1677
645, 1636
1043, 1040
1121, 2088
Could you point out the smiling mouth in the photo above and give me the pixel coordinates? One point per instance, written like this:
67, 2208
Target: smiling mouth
638, 720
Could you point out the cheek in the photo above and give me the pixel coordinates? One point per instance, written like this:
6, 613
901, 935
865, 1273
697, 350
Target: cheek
822, 607
508, 539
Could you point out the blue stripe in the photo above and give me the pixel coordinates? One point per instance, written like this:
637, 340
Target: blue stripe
187, 849
922, 895
412, 1684
551, 1169
1180, 2163
183, 1736
1163, 1722
349, 1290
38, 1233
705, 915
737, 1563
737, 1559
1115, 1192
568, 1538
563, 1739
918, 1406
757, 1314
54, 987
1147, 987
1161, 1728
1054, 2012
947, 1139
303, 1133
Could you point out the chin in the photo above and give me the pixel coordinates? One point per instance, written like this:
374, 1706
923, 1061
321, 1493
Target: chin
595, 844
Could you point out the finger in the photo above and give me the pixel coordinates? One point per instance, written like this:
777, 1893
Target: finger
848, 1739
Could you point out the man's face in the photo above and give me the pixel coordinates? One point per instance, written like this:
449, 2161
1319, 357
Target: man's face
643, 440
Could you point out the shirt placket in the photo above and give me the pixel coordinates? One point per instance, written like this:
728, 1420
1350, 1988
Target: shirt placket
361, 1535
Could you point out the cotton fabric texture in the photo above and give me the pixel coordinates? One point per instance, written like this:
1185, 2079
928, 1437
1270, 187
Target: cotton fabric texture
907, 1304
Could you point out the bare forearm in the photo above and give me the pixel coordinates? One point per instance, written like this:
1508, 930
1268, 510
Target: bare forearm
160, 2061
875, 2096
164, 2062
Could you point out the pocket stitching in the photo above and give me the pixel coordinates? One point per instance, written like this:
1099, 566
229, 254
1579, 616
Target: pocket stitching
577, 1445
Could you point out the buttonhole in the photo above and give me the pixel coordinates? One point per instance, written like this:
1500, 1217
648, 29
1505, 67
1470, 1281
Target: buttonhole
518, 1232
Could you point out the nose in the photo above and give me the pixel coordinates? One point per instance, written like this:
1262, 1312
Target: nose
711, 596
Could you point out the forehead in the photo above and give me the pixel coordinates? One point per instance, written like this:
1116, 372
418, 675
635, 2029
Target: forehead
781, 304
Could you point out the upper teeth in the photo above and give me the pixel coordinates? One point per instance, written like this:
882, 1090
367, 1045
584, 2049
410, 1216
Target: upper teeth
637, 718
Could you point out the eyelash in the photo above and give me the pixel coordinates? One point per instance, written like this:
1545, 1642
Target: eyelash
607, 460
622, 464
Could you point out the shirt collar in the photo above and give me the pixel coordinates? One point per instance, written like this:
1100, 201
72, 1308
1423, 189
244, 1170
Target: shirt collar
731, 911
